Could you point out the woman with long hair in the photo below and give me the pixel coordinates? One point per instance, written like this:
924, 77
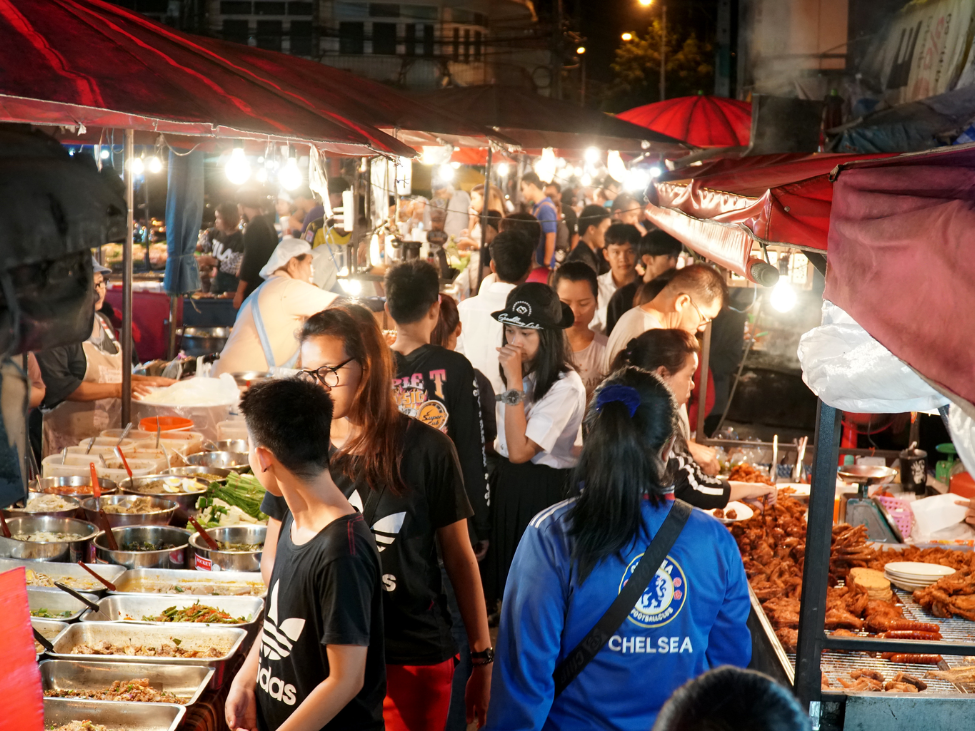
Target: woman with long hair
673, 356
574, 560
404, 477
539, 418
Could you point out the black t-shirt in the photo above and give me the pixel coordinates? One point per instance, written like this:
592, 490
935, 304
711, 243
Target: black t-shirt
415, 612
260, 240
620, 303
324, 592
594, 259
693, 486
63, 368
228, 249
489, 416
438, 387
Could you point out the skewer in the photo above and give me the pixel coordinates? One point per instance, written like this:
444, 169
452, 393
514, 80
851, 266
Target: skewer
108, 584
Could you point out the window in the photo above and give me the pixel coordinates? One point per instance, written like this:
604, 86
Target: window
235, 7
236, 31
384, 39
269, 34
428, 40
410, 39
421, 12
467, 45
477, 45
352, 38
456, 51
301, 38
383, 10
266, 8
301, 8
480, 19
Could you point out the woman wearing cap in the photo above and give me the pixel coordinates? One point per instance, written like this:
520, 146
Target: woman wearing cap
83, 381
265, 334
539, 418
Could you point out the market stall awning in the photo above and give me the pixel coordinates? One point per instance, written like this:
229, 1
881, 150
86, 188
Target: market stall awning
536, 121
902, 260
702, 120
730, 205
91, 63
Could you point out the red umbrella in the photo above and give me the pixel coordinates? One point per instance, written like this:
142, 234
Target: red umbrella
702, 121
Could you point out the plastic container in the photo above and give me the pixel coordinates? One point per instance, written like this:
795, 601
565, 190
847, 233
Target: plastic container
900, 511
77, 466
233, 429
936, 513
136, 450
184, 442
167, 423
963, 485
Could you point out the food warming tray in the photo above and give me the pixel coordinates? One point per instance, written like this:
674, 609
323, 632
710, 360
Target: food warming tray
114, 716
136, 581
186, 681
117, 607
59, 571
58, 601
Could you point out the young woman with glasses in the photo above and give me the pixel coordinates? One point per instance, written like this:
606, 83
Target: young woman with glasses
405, 478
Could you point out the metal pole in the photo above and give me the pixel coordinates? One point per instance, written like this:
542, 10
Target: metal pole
663, 51
815, 574
485, 207
127, 280
173, 300
582, 91
703, 391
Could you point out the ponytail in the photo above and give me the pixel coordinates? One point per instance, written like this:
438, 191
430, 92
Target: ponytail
631, 418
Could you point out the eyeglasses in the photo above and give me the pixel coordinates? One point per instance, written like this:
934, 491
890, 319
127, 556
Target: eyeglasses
103, 284
327, 376
704, 320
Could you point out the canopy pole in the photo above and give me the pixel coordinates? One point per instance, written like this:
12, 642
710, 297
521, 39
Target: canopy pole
127, 280
173, 302
485, 206
703, 389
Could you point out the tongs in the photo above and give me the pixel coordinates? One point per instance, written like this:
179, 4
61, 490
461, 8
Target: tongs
80, 597
42, 640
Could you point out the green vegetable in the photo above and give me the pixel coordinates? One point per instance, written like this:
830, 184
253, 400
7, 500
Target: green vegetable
244, 491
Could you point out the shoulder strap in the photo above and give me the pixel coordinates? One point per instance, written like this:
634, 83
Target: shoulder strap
592, 643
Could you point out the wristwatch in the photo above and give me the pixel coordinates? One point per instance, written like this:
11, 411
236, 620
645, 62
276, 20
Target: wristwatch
485, 657
511, 397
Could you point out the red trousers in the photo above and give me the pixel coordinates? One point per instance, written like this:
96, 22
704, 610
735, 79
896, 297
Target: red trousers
417, 696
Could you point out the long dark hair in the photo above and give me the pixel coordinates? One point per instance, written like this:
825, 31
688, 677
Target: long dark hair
449, 319
377, 450
658, 348
552, 360
620, 465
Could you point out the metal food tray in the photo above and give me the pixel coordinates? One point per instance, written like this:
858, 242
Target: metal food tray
186, 681
58, 601
59, 571
54, 630
129, 582
117, 607
154, 635
113, 715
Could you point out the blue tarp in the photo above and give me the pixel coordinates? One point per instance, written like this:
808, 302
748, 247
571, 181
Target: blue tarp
184, 215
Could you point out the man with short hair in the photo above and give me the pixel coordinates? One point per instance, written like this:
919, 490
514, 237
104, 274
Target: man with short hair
593, 223
260, 241
575, 284
658, 252
620, 252
547, 214
480, 337
627, 209
307, 201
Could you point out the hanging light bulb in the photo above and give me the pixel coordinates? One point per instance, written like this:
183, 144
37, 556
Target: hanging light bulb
615, 166
154, 164
445, 173
290, 175
545, 166
586, 179
502, 169
782, 296
636, 180
592, 155
137, 166
105, 153
237, 169
655, 172
261, 175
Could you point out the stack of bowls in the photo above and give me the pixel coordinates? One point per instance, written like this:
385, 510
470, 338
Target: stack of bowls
913, 575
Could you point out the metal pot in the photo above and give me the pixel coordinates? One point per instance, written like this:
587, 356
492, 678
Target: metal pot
239, 446
72, 486
206, 559
246, 379
196, 341
160, 510
197, 470
236, 461
68, 551
72, 512
186, 500
165, 558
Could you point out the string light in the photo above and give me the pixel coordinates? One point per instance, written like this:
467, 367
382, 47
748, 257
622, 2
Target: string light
137, 166
783, 296
445, 173
545, 166
105, 153
154, 164
290, 175
237, 169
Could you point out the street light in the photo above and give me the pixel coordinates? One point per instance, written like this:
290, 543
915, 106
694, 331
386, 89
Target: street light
581, 50
646, 3
581, 53
627, 37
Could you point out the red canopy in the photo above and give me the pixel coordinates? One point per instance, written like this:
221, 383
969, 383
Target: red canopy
702, 121
72, 62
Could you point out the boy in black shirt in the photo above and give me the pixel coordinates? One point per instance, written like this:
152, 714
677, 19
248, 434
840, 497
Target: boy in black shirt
319, 663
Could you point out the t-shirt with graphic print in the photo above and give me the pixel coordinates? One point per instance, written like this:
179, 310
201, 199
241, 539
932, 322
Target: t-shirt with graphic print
415, 613
438, 387
324, 592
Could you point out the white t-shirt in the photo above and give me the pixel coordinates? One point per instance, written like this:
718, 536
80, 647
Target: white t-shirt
589, 362
607, 288
633, 323
554, 423
285, 305
480, 336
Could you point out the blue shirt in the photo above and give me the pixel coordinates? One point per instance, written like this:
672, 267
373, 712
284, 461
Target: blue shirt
691, 618
548, 217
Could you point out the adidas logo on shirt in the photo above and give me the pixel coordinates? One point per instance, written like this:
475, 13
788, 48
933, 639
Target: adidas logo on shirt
277, 642
385, 529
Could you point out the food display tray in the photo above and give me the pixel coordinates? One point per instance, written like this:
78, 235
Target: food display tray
118, 607
135, 581
186, 681
53, 631
114, 716
59, 571
58, 601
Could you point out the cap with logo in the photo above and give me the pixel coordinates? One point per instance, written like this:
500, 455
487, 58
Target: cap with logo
535, 306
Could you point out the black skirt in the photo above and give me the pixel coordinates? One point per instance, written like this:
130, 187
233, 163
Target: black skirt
519, 492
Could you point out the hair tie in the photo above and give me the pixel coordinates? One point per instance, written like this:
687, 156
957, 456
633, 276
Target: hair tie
626, 395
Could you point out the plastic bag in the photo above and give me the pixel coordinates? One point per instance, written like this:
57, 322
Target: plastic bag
962, 429
205, 401
849, 370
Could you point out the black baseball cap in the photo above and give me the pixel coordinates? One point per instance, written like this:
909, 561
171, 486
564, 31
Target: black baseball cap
535, 306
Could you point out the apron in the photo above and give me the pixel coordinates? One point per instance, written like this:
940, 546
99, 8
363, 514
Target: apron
70, 422
251, 302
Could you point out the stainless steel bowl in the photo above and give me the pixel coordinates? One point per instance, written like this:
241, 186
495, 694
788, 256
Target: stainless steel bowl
72, 512
236, 461
246, 379
227, 445
186, 500
72, 486
70, 550
196, 341
197, 470
206, 559
57, 602
160, 510
165, 558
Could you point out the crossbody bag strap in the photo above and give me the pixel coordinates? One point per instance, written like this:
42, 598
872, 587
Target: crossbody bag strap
653, 558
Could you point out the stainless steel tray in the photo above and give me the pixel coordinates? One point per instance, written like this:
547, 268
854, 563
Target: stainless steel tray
186, 681
58, 601
191, 637
50, 628
194, 583
114, 716
59, 571
118, 607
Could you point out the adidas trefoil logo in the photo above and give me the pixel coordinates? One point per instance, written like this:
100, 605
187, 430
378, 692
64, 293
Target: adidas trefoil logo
385, 529
278, 639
